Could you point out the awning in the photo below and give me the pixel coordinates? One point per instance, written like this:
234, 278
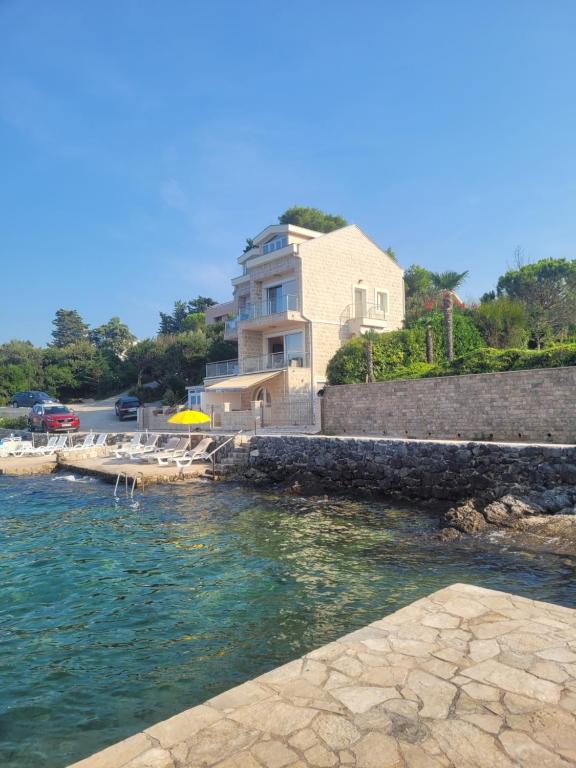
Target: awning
238, 383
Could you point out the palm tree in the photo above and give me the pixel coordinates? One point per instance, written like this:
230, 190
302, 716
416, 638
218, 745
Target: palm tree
446, 283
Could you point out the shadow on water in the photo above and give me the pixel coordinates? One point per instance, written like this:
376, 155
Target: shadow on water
113, 618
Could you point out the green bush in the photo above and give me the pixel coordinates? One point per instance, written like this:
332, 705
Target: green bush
391, 352
414, 371
13, 422
399, 353
490, 360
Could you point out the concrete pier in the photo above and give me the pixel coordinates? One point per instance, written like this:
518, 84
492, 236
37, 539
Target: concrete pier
107, 469
28, 465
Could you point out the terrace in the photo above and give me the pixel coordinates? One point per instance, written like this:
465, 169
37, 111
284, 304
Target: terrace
255, 364
281, 306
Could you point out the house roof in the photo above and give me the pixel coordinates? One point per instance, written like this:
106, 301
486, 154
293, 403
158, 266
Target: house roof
276, 229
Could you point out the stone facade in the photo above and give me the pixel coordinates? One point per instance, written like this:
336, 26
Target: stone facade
327, 287
418, 469
332, 266
536, 405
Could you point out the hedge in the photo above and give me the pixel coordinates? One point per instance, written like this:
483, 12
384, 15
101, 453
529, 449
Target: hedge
489, 360
485, 360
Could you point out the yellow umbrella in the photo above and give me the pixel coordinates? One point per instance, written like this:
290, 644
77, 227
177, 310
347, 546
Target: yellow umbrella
189, 417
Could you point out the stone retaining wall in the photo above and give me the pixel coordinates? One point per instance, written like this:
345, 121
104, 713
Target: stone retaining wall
536, 406
413, 468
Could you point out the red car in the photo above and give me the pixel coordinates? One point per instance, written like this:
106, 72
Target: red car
52, 418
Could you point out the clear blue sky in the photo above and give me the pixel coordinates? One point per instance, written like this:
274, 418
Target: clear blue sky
142, 141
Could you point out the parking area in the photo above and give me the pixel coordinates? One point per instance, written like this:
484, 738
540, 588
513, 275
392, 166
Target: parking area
94, 416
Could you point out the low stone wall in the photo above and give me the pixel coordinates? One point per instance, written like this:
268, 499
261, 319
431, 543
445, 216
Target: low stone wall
413, 468
536, 406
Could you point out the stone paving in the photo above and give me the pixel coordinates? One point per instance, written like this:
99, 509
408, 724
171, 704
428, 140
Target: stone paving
466, 677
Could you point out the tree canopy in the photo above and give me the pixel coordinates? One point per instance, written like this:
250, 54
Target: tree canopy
69, 328
114, 337
312, 218
424, 288
547, 291
84, 362
176, 321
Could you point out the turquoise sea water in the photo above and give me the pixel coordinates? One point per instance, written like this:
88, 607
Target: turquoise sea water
113, 617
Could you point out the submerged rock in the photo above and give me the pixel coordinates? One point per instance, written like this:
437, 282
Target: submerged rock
448, 534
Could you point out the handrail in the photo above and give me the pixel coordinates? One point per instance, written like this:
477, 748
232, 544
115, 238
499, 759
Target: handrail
255, 363
265, 307
212, 455
368, 309
218, 448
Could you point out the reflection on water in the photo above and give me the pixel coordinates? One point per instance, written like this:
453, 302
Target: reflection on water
112, 618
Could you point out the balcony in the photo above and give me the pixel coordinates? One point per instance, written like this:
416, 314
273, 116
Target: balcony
288, 303
274, 313
365, 317
256, 364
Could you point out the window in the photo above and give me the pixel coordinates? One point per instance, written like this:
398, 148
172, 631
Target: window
195, 397
382, 302
280, 241
263, 396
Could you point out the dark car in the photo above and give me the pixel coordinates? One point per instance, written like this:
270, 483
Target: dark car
127, 407
47, 417
31, 397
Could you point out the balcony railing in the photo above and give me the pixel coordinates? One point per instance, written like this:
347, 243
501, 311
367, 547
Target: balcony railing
256, 364
367, 309
231, 326
290, 302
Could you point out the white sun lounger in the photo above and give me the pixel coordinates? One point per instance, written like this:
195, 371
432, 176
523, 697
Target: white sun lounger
148, 446
88, 442
54, 444
131, 444
175, 446
8, 445
199, 453
26, 447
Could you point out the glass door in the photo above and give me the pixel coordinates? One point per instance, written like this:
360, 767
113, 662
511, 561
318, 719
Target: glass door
294, 347
274, 296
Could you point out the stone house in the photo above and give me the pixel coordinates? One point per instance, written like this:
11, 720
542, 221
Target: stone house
300, 296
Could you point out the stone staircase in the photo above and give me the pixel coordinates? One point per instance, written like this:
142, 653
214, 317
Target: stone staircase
233, 461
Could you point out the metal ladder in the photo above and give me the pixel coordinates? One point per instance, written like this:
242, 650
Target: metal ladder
128, 493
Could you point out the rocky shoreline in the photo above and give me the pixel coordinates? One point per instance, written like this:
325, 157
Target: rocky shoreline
539, 519
542, 518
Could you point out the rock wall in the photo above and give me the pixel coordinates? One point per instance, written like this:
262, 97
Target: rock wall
534, 406
413, 468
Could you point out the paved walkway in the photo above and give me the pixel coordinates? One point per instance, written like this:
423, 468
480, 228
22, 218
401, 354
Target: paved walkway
466, 677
